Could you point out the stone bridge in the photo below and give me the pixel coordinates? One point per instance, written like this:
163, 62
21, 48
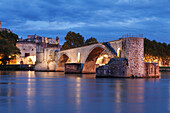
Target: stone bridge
131, 48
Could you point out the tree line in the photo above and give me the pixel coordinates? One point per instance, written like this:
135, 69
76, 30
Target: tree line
8, 46
156, 50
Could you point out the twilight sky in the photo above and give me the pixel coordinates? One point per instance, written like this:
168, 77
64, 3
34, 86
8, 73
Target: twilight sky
105, 20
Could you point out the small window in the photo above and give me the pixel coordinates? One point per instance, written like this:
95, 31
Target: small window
27, 54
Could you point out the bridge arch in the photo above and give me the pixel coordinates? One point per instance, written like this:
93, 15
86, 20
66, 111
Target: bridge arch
99, 46
64, 58
90, 62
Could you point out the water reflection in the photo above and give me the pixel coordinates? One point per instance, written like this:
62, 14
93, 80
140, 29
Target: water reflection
49, 74
30, 84
31, 92
118, 91
169, 98
78, 94
89, 76
164, 75
35, 92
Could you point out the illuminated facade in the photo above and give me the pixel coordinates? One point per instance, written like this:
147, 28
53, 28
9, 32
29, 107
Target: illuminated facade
161, 61
103, 59
28, 48
28, 52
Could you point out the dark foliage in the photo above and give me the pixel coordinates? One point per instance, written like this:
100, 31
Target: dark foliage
76, 40
91, 41
8, 46
157, 49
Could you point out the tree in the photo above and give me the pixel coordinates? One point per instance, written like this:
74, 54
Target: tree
157, 50
91, 41
8, 46
73, 40
168, 49
76, 40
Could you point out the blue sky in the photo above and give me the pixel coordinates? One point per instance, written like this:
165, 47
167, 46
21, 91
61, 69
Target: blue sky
105, 20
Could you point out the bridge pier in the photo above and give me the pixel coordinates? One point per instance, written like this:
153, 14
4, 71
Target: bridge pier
73, 68
117, 67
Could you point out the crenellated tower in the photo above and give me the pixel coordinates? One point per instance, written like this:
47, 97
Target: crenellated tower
57, 40
0, 24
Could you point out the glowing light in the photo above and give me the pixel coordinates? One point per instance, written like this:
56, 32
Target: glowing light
105, 56
31, 59
101, 57
78, 91
118, 52
26, 60
78, 59
29, 74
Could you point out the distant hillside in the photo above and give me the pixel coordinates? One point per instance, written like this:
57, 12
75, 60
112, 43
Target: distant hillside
157, 52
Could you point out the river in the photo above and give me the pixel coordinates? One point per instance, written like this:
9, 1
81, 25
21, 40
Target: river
55, 92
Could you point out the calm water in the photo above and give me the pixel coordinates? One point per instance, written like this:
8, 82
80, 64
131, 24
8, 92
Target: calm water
54, 92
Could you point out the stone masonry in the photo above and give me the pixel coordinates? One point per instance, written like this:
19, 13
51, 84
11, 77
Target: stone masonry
135, 55
117, 67
131, 53
151, 69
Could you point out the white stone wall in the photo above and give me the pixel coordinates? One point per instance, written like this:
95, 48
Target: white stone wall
45, 58
26, 47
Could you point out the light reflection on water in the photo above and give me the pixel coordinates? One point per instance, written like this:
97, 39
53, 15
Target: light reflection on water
55, 92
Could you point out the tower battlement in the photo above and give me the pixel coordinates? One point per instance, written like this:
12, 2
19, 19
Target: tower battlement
0, 24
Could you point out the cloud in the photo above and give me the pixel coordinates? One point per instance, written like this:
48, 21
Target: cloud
46, 25
97, 18
132, 1
131, 22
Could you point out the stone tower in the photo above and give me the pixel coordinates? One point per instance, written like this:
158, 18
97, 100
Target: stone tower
134, 47
57, 40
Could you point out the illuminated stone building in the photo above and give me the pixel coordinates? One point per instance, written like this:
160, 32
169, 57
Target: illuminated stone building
155, 59
28, 52
28, 47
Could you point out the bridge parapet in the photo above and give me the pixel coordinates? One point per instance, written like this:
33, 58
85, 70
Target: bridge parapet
132, 35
